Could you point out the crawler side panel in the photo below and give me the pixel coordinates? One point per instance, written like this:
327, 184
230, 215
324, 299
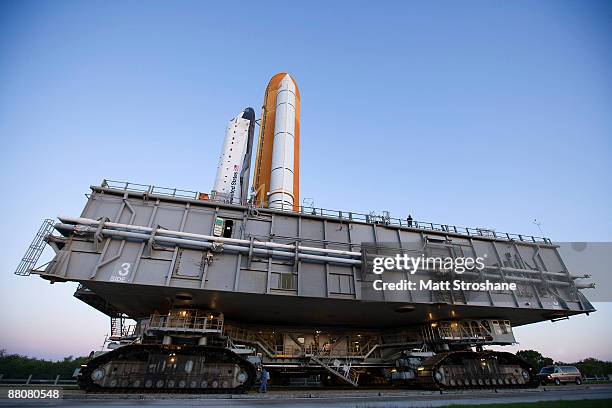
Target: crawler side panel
159, 368
223, 273
468, 369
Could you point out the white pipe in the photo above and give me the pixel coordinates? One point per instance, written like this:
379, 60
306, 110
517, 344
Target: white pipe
243, 246
531, 271
160, 231
585, 286
269, 252
201, 244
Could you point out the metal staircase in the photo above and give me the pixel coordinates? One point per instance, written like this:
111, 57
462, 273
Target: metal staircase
120, 330
344, 370
35, 250
116, 328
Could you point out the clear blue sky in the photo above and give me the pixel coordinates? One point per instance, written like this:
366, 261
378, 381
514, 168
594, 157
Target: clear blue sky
477, 113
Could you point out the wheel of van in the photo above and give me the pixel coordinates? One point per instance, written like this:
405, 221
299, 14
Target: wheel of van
578, 380
557, 381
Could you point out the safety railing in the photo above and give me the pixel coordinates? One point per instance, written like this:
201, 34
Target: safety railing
31, 381
150, 189
464, 330
192, 320
349, 216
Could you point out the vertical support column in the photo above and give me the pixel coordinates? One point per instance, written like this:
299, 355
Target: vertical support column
326, 263
101, 261
408, 276
245, 217
211, 232
176, 248
533, 286
353, 269
269, 271
480, 272
423, 248
573, 290
381, 276
298, 261
144, 244
452, 273
501, 272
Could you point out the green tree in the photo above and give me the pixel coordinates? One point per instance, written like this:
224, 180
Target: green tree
15, 366
534, 358
588, 367
593, 367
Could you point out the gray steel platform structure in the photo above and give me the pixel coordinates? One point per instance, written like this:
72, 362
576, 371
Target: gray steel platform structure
163, 273
293, 288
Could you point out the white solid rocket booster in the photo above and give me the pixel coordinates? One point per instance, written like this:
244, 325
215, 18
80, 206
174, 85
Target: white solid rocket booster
232, 180
281, 174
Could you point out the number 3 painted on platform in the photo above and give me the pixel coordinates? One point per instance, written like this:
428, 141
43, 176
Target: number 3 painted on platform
124, 270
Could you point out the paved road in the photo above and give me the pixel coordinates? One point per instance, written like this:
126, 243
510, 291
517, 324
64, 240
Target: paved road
320, 399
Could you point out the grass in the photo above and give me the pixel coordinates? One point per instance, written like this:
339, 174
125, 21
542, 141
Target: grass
601, 403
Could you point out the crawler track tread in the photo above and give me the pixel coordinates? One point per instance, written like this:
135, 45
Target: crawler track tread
142, 352
428, 380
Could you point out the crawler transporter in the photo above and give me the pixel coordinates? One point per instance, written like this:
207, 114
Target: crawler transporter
203, 288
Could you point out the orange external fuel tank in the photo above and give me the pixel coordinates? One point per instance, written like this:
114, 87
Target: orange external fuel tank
277, 166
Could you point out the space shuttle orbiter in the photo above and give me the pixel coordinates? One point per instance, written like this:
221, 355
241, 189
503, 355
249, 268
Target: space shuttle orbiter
232, 180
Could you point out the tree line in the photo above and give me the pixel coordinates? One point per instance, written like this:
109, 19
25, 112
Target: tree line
15, 366
589, 367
